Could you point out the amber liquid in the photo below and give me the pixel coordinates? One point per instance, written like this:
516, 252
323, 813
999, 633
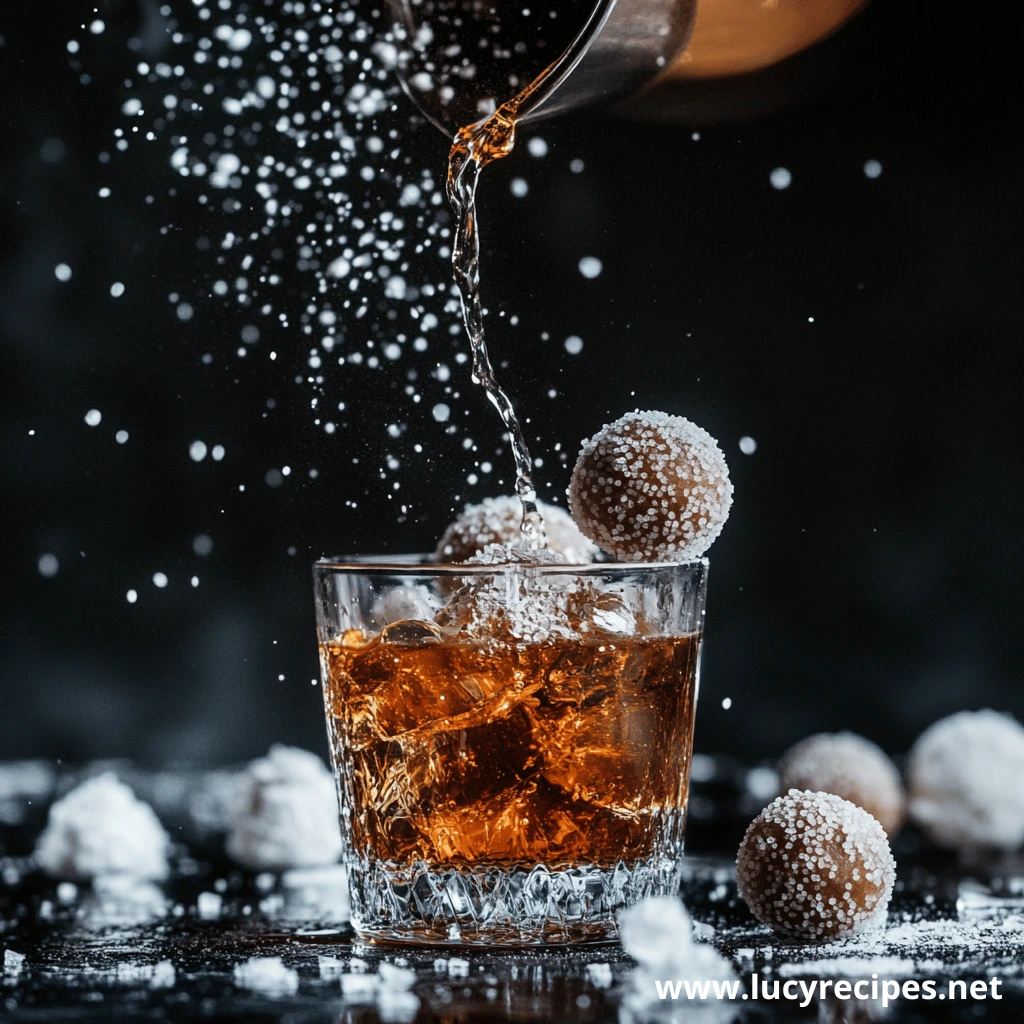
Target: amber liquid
464, 754
541, 36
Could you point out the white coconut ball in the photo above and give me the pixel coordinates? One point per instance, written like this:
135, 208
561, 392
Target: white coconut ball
965, 777
100, 828
286, 814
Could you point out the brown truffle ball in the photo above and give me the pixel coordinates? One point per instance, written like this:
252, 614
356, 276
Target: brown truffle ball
849, 766
815, 866
496, 521
651, 487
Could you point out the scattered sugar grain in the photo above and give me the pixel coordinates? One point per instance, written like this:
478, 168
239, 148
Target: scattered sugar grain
359, 987
398, 979
266, 975
458, 968
164, 975
656, 931
208, 905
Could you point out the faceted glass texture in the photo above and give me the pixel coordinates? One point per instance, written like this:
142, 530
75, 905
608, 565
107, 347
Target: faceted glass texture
511, 742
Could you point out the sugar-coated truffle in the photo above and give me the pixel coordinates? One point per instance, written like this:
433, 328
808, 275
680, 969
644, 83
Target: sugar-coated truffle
849, 766
815, 866
497, 520
965, 781
651, 487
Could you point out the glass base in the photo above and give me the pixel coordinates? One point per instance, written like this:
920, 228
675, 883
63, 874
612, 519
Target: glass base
501, 906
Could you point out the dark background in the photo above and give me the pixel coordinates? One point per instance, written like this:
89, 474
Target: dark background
870, 575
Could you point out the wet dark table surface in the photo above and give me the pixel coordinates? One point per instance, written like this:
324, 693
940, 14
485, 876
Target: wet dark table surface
120, 951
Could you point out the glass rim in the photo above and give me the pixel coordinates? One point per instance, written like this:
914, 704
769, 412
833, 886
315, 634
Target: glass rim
420, 565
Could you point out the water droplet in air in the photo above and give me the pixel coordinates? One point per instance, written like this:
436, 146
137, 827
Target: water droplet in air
49, 566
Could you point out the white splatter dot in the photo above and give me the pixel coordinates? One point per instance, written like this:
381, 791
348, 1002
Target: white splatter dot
273, 478
132, 596
97, 27
117, 289
93, 418
591, 267
518, 187
339, 267
197, 451
185, 311
748, 445
218, 452
441, 412
121, 437
872, 168
239, 39
49, 566
62, 272
159, 580
537, 147
727, 703
202, 545
780, 178
194, 581
573, 344
576, 166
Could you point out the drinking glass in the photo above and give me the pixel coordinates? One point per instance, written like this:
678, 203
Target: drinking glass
511, 742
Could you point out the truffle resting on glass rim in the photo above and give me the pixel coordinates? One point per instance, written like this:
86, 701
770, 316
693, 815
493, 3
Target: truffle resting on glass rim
651, 487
